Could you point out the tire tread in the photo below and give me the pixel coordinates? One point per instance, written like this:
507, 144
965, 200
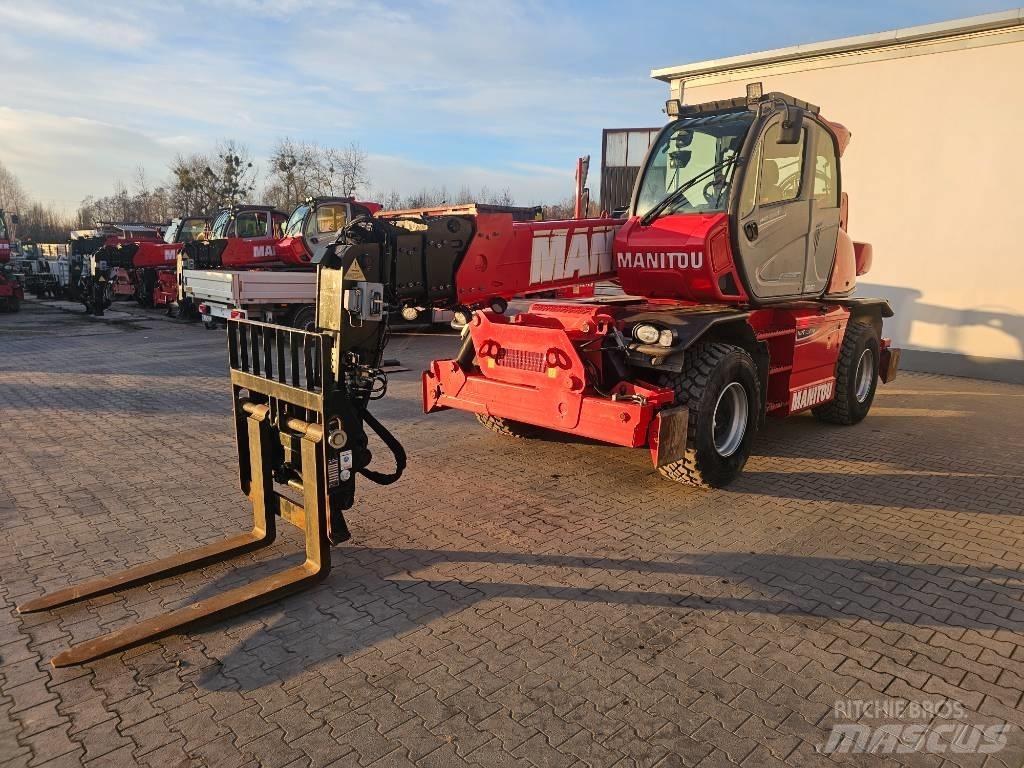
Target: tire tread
689, 386
837, 410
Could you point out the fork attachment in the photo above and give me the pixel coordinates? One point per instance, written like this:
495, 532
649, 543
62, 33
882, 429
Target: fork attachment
300, 404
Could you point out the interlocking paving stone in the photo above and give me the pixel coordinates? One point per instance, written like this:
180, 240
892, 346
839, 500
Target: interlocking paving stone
523, 603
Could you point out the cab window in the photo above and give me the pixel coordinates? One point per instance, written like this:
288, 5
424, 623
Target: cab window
192, 229
294, 226
3, 228
826, 187
251, 224
329, 219
279, 222
693, 160
220, 225
781, 168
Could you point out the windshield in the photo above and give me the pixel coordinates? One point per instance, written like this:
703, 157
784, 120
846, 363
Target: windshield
690, 147
3, 227
220, 225
294, 226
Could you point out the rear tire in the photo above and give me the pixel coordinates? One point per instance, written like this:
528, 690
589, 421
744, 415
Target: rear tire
720, 386
856, 377
507, 427
304, 319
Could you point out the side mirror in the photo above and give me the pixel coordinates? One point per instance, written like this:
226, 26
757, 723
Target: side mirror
792, 126
680, 158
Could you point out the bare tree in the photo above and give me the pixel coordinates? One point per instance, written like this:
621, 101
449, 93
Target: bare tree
347, 168
13, 197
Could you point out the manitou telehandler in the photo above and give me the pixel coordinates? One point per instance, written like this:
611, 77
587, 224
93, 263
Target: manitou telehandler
739, 272
154, 264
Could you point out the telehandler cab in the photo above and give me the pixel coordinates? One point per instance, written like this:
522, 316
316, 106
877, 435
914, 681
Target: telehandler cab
740, 269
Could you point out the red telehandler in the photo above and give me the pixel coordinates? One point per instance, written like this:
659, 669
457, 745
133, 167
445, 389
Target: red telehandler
738, 271
154, 264
11, 290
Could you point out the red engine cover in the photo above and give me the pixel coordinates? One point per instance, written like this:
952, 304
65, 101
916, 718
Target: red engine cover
681, 256
154, 255
242, 252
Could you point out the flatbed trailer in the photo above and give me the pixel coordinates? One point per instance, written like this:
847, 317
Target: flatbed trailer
282, 296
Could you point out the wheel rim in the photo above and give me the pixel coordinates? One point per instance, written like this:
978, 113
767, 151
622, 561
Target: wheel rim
865, 375
729, 423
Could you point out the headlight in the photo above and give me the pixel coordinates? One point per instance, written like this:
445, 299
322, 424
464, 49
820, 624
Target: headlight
665, 338
648, 334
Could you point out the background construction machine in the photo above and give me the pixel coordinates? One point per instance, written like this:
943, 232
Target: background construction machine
154, 263
98, 268
11, 290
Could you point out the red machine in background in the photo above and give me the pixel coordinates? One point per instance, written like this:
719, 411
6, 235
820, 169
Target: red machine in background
5, 238
11, 290
120, 241
738, 271
257, 263
154, 263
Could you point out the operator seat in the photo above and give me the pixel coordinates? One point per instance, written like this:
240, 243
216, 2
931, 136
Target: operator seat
769, 191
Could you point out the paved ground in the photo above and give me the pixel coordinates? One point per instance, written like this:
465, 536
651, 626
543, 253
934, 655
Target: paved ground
538, 603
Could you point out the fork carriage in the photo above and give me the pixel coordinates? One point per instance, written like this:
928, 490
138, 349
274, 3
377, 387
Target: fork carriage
300, 403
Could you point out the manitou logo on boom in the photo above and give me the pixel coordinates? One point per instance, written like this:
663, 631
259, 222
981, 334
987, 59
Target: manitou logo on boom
170, 254
667, 260
557, 254
812, 395
263, 252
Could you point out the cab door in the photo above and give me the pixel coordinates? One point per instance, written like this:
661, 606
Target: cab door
825, 209
773, 218
323, 225
253, 228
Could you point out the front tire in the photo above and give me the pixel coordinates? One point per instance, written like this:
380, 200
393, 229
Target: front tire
507, 427
856, 377
720, 386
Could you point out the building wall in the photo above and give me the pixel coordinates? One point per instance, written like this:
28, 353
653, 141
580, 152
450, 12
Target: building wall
934, 172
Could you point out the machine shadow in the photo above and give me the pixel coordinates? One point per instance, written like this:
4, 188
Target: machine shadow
373, 595
964, 492
908, 308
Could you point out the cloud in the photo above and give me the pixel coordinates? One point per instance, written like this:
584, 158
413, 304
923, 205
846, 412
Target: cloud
105, 27
62, 159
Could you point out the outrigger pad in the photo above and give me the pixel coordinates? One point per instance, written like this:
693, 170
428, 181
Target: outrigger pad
300, 404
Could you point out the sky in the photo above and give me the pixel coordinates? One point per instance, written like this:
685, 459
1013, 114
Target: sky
436, 92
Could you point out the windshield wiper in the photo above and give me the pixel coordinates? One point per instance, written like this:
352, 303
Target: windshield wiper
673, 197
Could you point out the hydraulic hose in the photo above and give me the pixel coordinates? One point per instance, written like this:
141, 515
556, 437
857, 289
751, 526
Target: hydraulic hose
385, 478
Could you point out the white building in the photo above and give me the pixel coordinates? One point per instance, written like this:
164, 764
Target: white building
934, 173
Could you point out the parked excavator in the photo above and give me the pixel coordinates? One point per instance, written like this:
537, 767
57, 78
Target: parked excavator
738, 273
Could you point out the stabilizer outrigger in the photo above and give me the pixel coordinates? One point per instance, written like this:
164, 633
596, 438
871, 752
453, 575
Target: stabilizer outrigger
300, 405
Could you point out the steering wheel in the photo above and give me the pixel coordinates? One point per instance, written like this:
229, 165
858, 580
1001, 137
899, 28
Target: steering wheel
713, 190
790, 186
